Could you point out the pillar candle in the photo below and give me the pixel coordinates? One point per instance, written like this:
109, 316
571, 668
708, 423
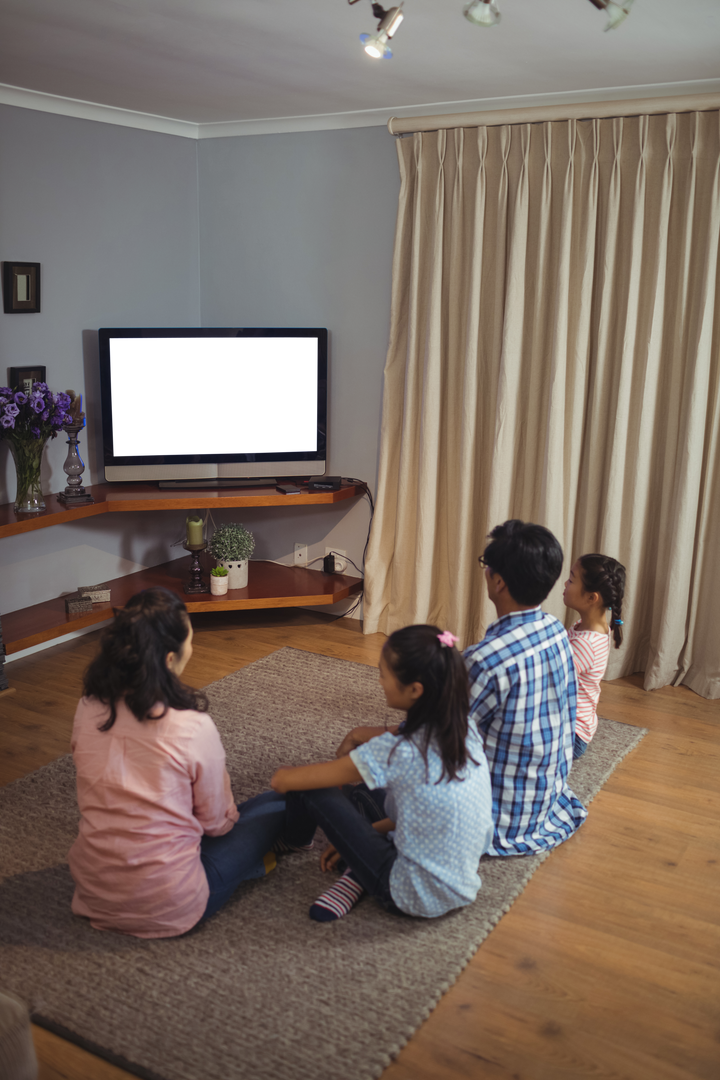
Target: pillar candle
194, 529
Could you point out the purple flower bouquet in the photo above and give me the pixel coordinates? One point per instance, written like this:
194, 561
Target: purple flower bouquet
27, 421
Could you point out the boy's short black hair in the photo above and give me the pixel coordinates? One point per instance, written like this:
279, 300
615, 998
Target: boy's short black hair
527, 557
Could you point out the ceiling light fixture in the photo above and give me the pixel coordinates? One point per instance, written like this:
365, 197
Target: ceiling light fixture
478, 12
617, 11
482, 13
376, 45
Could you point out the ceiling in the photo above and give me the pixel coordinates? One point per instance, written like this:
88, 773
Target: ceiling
216, 61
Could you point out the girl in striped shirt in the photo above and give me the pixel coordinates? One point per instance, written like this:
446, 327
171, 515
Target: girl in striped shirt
595, 587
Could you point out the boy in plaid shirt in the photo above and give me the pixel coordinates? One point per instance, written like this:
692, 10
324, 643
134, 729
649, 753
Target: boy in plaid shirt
523, 694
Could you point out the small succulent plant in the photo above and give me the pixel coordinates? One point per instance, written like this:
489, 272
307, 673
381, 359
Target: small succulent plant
219, 571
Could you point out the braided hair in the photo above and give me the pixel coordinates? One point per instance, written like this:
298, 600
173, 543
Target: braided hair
606, 576
416, 654
132, 662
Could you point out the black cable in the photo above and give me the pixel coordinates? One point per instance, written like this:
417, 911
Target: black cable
364, 485
368, 493
355, 606
366, 489
346, 559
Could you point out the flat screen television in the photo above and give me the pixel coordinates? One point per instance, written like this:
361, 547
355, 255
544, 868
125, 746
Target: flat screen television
213, 405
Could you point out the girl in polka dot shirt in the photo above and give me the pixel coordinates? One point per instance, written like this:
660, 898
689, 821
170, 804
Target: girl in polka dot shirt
412, 827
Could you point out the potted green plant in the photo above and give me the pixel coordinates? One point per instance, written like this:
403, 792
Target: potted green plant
231, 546
218, 581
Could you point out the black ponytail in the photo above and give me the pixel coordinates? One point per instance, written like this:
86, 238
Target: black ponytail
415, 654
606, 576
132, 662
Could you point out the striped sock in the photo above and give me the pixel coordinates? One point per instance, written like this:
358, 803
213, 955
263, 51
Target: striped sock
338, 900
281, 847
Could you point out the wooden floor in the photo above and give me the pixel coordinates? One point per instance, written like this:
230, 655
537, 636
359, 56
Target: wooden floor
607, 966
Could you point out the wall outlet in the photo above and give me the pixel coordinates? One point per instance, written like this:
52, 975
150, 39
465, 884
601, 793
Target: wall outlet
300, 558
341, 563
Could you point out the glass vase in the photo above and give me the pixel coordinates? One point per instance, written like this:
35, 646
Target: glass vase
28, 461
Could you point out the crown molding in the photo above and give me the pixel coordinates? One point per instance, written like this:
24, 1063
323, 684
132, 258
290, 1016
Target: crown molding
87, 110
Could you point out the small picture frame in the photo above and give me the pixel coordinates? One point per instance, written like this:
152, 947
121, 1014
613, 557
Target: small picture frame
21, 287
22, 378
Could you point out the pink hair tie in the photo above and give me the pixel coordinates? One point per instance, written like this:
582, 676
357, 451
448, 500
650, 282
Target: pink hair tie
446, 638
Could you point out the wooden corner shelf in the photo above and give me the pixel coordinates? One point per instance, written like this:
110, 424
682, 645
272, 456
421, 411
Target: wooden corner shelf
122, 498
269, 584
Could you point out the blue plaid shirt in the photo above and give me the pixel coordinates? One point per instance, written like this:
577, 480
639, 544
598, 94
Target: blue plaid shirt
523, 696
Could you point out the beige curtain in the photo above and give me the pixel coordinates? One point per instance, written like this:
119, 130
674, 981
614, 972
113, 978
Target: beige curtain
554, 356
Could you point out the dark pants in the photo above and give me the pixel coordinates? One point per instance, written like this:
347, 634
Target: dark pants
238, 855
342, 817
579, 748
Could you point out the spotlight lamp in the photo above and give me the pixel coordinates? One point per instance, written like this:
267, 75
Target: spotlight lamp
478, 12
482, 13
376, 45
617, 10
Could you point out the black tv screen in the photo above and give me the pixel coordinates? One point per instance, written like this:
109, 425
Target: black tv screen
213, 403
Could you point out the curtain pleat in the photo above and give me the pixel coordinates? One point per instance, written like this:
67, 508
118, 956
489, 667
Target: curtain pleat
554, 356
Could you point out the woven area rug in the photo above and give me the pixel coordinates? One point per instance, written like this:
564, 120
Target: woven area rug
260, 992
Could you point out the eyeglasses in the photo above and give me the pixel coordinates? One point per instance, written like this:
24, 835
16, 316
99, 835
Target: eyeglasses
481, 560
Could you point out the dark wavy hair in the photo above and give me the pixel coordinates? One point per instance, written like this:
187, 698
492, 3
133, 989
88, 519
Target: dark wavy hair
415, 654
132, 662
606, 576
527, 557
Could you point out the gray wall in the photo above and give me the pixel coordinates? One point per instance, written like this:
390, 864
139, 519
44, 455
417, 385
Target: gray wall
298, 230
139, 228
111, 214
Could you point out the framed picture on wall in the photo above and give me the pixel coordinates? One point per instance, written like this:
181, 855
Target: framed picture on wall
21, 287
22, 378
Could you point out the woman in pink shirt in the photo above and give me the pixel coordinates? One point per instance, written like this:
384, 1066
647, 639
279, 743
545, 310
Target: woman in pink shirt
161, 843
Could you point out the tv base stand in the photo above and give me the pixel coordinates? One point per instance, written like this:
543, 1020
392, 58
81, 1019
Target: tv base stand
212, 483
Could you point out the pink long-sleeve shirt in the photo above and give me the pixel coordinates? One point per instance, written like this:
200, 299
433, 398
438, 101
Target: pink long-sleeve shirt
147, 792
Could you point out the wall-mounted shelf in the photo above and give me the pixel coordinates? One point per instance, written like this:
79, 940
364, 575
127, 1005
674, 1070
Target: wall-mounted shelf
121, 498
269, 584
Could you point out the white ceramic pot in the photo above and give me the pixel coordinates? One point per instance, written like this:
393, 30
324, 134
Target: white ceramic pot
237, 573
218, 585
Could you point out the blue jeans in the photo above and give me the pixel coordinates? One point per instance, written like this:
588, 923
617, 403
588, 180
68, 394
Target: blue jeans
579, 748
238, 855
366, 852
